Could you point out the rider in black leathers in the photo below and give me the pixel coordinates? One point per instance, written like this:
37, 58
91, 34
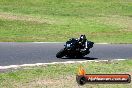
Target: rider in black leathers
83, 42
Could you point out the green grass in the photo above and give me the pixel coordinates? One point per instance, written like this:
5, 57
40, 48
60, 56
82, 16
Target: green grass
57, 20
63, 75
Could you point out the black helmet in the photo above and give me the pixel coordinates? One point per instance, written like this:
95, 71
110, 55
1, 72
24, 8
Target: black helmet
82, 38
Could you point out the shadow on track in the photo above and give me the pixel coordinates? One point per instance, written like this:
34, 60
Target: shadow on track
86, 58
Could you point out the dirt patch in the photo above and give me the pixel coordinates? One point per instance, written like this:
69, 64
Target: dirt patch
25, 18
121, 21
62, 82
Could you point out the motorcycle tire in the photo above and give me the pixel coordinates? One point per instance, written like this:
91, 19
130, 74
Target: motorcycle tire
60, 54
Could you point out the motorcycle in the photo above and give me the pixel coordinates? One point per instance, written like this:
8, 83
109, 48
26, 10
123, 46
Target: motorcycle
73, 49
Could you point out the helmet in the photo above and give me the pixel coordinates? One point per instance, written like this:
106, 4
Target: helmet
82, 38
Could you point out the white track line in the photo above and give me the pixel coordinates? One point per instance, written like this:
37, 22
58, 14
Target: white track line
64, 42
47, 42
52, 63
102, 43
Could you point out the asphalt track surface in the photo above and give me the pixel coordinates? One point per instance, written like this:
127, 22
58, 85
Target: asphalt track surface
31, 53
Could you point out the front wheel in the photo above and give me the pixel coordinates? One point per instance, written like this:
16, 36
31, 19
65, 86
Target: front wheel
60, 54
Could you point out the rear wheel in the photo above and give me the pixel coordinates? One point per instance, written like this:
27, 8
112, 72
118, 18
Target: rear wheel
60, 54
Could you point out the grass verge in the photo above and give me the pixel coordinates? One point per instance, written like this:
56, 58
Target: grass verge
57, 20
62, 75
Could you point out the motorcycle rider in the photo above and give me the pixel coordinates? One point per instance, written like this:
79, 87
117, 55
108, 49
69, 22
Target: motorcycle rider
83, 44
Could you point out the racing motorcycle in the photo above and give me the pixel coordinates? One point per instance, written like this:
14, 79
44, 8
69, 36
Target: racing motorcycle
73, 49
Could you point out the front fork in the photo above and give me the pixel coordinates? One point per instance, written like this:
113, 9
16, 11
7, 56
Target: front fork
85, 52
